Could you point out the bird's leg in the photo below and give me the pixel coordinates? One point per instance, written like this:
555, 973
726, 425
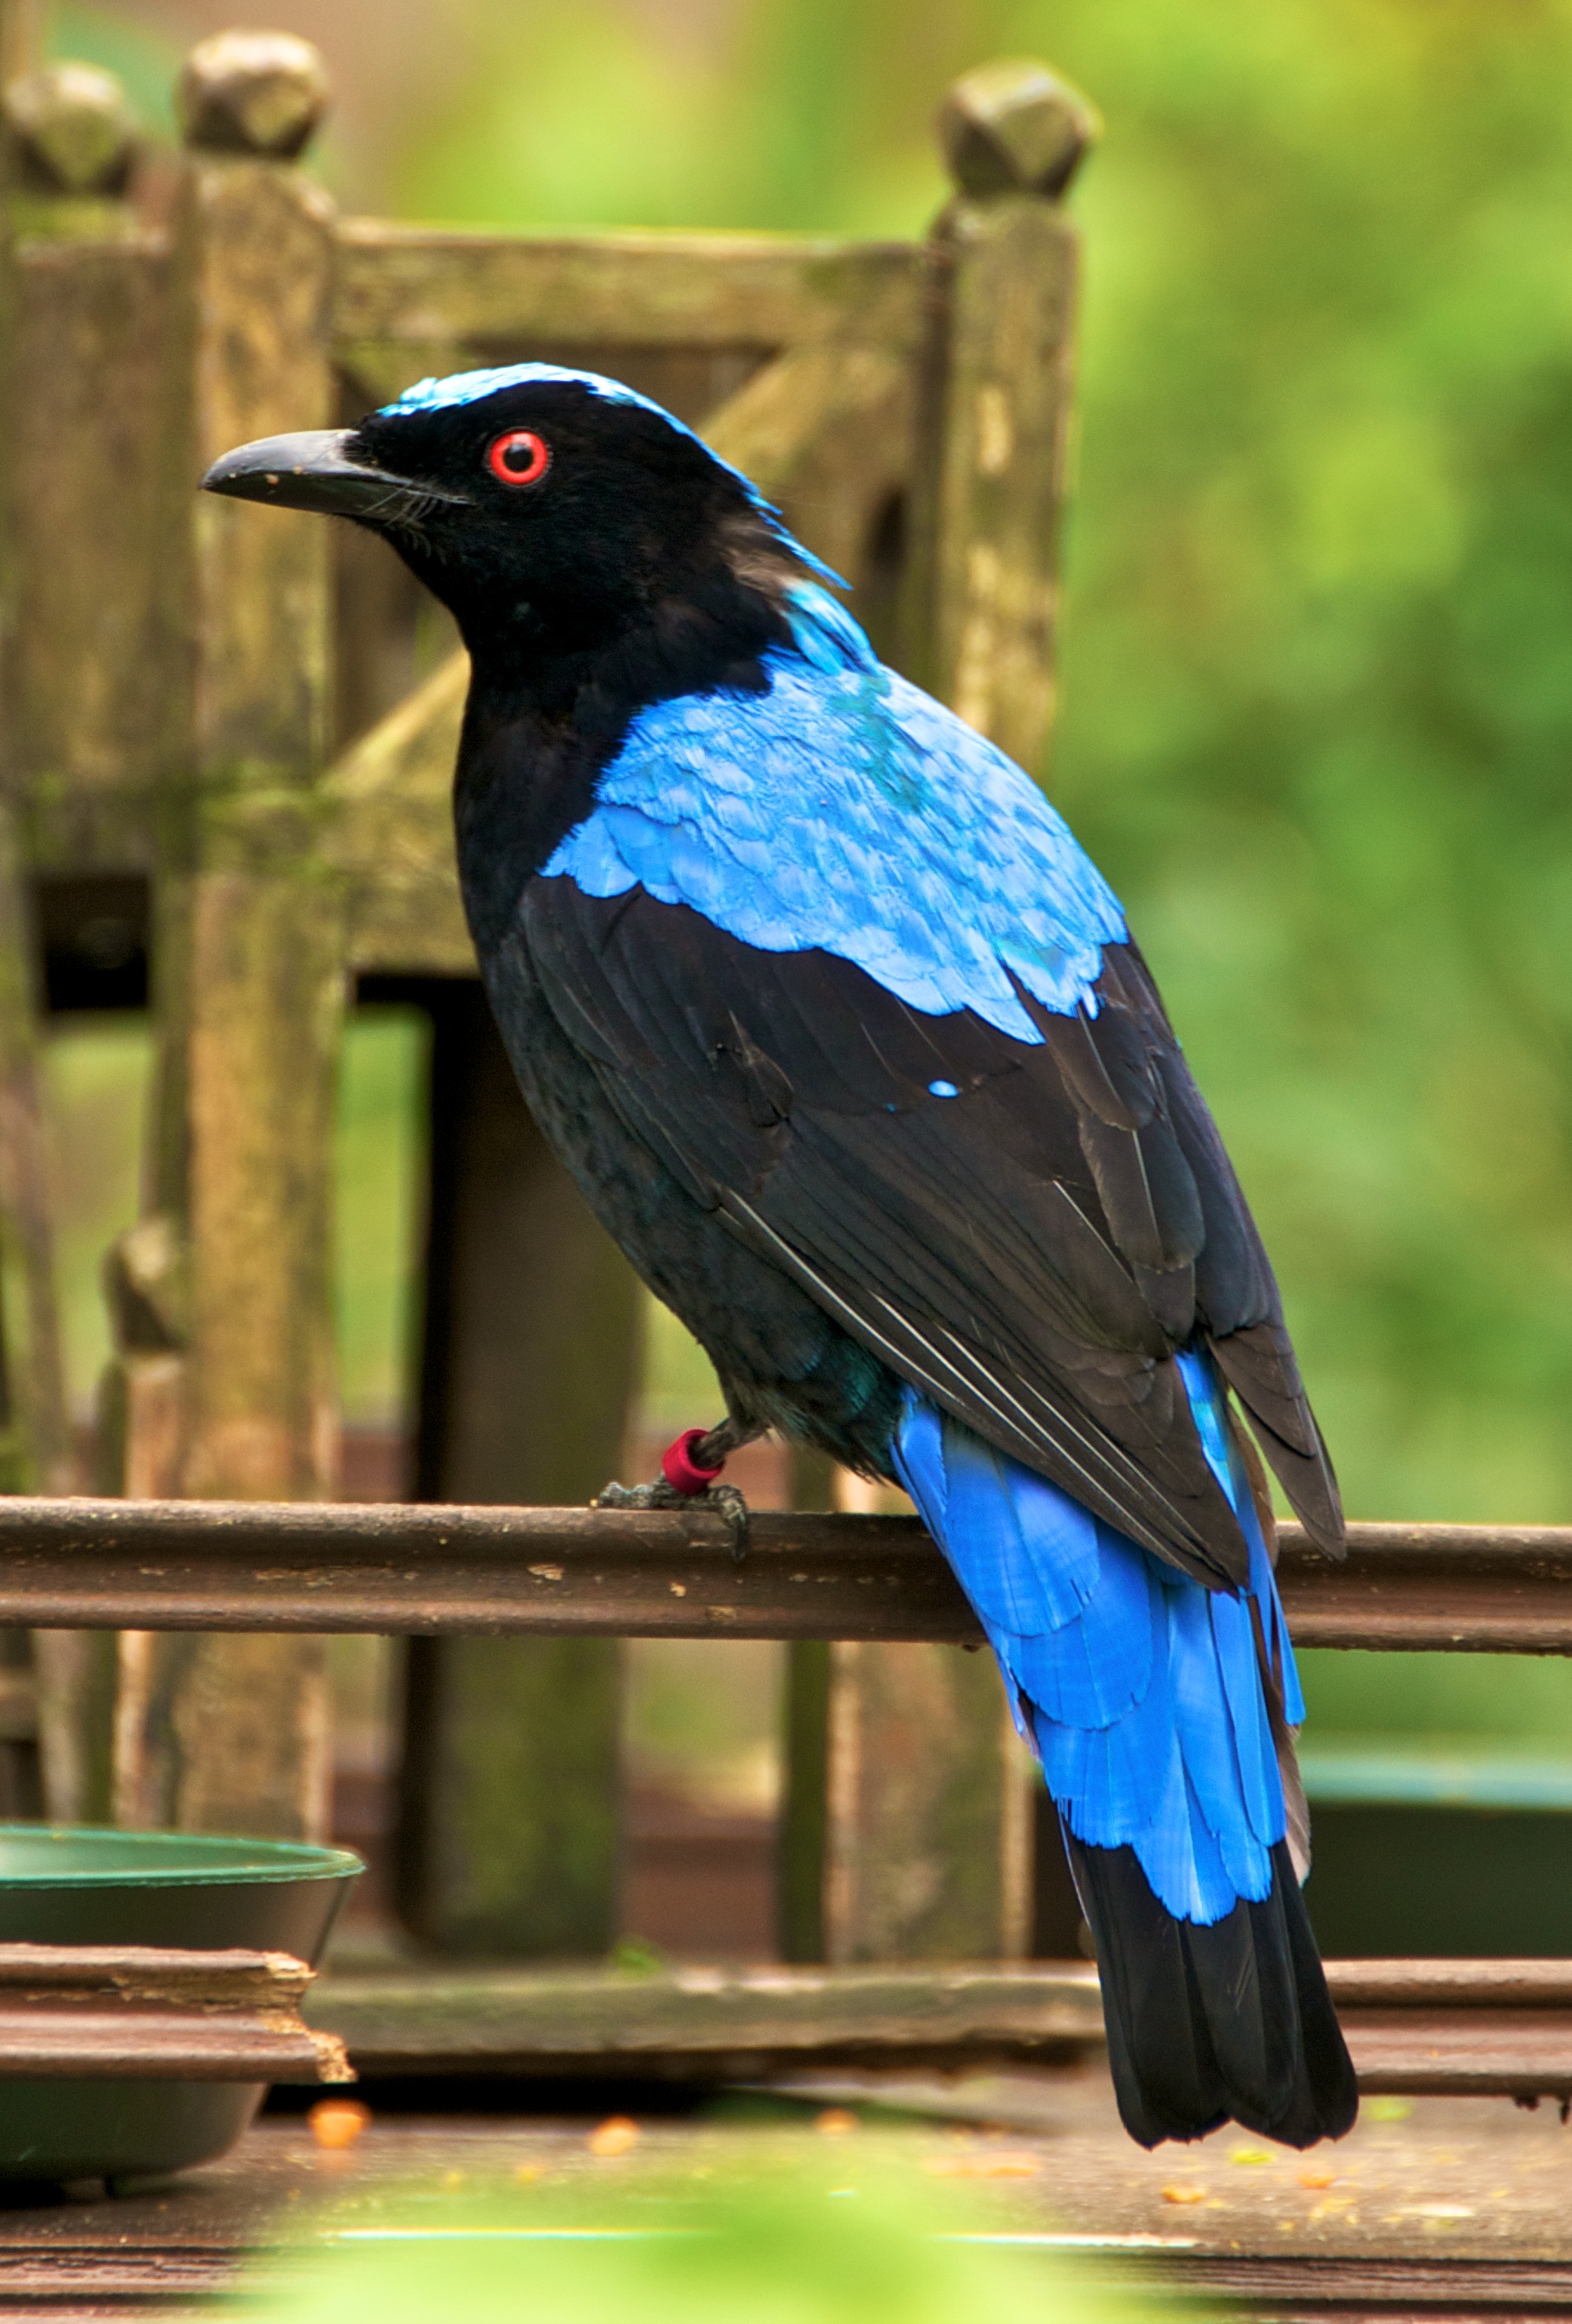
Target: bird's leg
688, 1468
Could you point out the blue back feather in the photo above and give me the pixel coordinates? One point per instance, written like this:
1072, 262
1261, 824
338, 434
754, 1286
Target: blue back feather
845, 810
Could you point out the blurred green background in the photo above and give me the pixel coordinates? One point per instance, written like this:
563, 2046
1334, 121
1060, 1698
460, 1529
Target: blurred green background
1316, 647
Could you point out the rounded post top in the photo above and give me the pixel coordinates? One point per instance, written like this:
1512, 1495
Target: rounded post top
260, 93
1015, 127
74, 126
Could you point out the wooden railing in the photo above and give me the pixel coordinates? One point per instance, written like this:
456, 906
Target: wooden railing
422, 1569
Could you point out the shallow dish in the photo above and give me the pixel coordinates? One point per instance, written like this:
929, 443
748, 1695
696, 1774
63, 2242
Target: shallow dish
74, 1886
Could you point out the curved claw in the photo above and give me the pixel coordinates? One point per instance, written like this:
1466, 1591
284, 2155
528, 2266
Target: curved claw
725, 1500
728, 1500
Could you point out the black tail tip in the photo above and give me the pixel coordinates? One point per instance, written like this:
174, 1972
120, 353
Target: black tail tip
1207, 2026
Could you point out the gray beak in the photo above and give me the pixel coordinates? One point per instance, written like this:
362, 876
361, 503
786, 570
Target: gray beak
312, 471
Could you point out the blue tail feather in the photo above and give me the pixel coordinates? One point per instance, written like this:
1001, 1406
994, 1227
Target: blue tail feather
1140, 1688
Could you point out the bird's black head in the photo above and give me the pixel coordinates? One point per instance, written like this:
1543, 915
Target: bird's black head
554, 512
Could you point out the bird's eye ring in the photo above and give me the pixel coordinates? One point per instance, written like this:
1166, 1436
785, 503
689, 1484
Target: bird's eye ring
519, 457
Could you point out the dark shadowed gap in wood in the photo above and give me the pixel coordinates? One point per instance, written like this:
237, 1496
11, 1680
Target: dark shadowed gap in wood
509, 1809
805, 1714
1059, 1927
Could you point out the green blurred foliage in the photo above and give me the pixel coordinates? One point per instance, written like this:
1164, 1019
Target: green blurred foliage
96, 1076
380, 1170
790, 2243
142, 52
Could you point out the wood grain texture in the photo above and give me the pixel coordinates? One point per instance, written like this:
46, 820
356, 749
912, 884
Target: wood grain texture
825, 432
1447, 2036
140, 2013
921, 1844
983, 583
255, 245
386, 831
1456, 2211
430, 284
99, 663
232, 1733
676, 2022
415, 1568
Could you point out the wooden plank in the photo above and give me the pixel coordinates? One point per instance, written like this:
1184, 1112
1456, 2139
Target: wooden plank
1498, 1984
86, 508
725, 2024
420, 1569
1462, 2053
927, 1816
983, 593
222, 1976
387, 833
1444, 2034
713, 291
98, 665
41, 2042
145, 2013
993, 421
1457, 2028
423, 1569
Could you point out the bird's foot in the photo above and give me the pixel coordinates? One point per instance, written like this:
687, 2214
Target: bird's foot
688, 1468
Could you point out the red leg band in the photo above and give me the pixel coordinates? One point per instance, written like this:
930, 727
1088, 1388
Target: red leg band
681, 1470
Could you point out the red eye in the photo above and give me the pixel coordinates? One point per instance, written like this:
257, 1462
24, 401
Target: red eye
519, 457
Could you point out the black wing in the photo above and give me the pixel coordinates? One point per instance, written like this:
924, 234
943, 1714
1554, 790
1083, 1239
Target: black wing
1031, 1252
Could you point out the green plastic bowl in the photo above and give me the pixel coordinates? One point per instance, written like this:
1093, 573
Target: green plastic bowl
73, 1885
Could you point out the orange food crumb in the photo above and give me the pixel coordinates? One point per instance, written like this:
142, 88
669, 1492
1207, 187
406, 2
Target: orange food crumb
1184, 2194
836, 2122
1318, 2178
1249, 2154
616, 2135
337, 2123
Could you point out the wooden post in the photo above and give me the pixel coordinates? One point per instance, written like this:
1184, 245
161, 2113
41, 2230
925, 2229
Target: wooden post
996, 405
908, 1791
70, 143
509, 1834
21, 38
232, 1733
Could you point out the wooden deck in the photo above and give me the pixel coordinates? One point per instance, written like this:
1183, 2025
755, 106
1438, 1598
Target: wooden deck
1432, 2208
